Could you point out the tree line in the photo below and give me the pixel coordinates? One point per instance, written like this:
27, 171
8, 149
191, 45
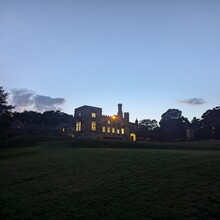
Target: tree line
172, 126
47, 118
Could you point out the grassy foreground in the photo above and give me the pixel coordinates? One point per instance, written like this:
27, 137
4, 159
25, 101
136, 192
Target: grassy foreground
61, 180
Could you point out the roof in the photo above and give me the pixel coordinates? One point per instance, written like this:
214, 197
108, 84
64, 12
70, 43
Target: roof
87, 106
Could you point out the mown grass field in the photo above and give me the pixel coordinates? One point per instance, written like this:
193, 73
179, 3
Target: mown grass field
110, 180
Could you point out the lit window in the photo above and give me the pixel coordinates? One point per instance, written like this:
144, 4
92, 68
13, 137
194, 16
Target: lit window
113, 130
93, 115
93, 126
122, 131
118, 131
78, 126
109, 122
103, 129
108, 129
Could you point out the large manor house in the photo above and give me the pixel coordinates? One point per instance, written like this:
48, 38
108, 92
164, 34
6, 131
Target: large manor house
91, 123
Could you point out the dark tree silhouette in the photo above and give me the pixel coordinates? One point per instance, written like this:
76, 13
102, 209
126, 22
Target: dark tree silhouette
49, 118
173, 125
5, 115
53, 118
46, 123
146, 127
211, 123
197, 125
29, 117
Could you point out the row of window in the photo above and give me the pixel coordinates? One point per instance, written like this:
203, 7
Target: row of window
79, 126
93, 115
112, 130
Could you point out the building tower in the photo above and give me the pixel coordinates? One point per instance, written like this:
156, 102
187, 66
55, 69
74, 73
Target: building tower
120, 113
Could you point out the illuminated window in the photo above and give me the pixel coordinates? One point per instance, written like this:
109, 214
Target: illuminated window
118, 131
93, 115
108, 129
113, 130
122, 131
93, 126
103, 129
78, 126
109, 122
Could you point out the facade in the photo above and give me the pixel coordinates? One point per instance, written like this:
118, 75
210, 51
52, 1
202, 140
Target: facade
90, 123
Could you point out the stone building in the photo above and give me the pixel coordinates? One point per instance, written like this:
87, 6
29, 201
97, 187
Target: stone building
91, 123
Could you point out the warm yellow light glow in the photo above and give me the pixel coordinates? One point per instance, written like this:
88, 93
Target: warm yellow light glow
113, 130
113, 117
78, 126
93, 115
93, 126
133, 137
122, 131
109, 122
103, 129
118, 131
63, 129
108, 129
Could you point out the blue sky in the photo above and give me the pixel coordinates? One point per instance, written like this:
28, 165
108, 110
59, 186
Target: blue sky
149, 55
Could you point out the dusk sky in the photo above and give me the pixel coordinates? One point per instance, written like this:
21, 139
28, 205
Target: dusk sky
149, 55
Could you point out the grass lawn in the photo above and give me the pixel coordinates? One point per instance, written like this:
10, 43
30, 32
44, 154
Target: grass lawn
59, 180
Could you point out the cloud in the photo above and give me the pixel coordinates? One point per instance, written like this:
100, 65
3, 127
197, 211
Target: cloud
44, 103
193, 101
22, 99
25, 99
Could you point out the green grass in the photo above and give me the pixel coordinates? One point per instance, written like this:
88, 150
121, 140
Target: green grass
75, 180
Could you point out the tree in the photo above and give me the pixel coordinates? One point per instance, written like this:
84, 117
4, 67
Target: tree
53, 118
146, 127
211, 123
47, 118
169, 115
46, 123
196, 123
29, 117
173, 125
197, 126
5, 115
